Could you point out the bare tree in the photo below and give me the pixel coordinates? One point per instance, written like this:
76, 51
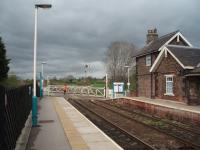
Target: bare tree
118, 55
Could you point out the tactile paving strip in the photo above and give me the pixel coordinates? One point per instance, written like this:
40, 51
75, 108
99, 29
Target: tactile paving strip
74, 137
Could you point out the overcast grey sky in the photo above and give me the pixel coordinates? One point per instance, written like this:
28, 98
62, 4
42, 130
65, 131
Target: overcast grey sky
77, 32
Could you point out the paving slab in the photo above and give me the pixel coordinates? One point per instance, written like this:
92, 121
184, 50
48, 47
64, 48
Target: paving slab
81, 132
49, 135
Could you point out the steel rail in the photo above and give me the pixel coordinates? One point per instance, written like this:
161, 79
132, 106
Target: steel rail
156, 118
186, 142
119, 128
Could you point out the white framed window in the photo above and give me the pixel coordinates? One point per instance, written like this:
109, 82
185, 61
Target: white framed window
148, 60
169, 85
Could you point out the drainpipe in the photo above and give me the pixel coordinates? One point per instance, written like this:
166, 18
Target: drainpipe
151, 87
136, 76
185, 89
151, 79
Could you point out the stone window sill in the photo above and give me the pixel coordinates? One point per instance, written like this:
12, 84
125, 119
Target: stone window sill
169, 94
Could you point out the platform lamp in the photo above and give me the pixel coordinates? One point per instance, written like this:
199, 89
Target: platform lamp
34, 99
128, 83
42, 80
86, 67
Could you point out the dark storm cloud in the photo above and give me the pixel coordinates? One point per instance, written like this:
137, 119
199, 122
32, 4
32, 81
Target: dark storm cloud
77, 32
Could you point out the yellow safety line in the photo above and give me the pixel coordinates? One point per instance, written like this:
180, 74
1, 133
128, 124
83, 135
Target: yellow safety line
74, 137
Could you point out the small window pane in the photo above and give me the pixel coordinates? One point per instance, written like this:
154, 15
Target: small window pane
169, 78
148, 60
169, 85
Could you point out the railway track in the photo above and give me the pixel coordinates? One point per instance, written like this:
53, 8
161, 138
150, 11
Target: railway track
193, 127
121, 136
185, 126
187, 135
152, 137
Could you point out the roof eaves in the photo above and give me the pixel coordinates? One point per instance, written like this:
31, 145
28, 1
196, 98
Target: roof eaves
172, 33
168, 41
143, 54
177, 34
180, 34
192, 74
158, 60
188, 67
166, 49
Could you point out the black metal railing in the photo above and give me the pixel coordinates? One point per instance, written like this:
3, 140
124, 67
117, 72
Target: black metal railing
15, 106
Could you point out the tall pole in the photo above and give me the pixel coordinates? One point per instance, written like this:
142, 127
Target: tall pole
128, 80
86, 66
41, 93
128, 83
42, 79
41, 83
106, 90
35, 53
48, 84
43, 63
42, 69
34, 99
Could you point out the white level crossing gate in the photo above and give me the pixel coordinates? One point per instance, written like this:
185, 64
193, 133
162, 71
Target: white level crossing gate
76, 90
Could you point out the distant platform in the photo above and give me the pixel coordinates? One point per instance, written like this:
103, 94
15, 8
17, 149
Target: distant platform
165, 108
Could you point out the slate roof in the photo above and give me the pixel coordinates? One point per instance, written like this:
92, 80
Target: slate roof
188, 56
155, 45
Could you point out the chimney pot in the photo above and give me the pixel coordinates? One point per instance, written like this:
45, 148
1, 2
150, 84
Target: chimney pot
151, 35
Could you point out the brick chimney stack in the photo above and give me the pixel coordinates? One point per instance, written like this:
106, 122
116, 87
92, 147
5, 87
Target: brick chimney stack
151, 35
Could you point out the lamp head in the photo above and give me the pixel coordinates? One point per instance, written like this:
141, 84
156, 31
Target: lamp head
45, 6
44, 62
127, 66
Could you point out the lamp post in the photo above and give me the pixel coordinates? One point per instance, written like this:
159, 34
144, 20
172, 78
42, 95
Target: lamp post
43, 63
86, 67
128, 83
106, 88
42, 79
48, 81
34, 99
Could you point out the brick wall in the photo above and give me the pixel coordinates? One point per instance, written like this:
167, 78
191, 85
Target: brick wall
144, 84
169, 66
161, 111
193, 90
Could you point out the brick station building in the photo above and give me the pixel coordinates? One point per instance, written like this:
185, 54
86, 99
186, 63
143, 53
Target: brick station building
168, 67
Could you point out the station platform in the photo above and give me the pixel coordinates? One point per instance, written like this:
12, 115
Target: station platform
63, 127
165, 108
168, 103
